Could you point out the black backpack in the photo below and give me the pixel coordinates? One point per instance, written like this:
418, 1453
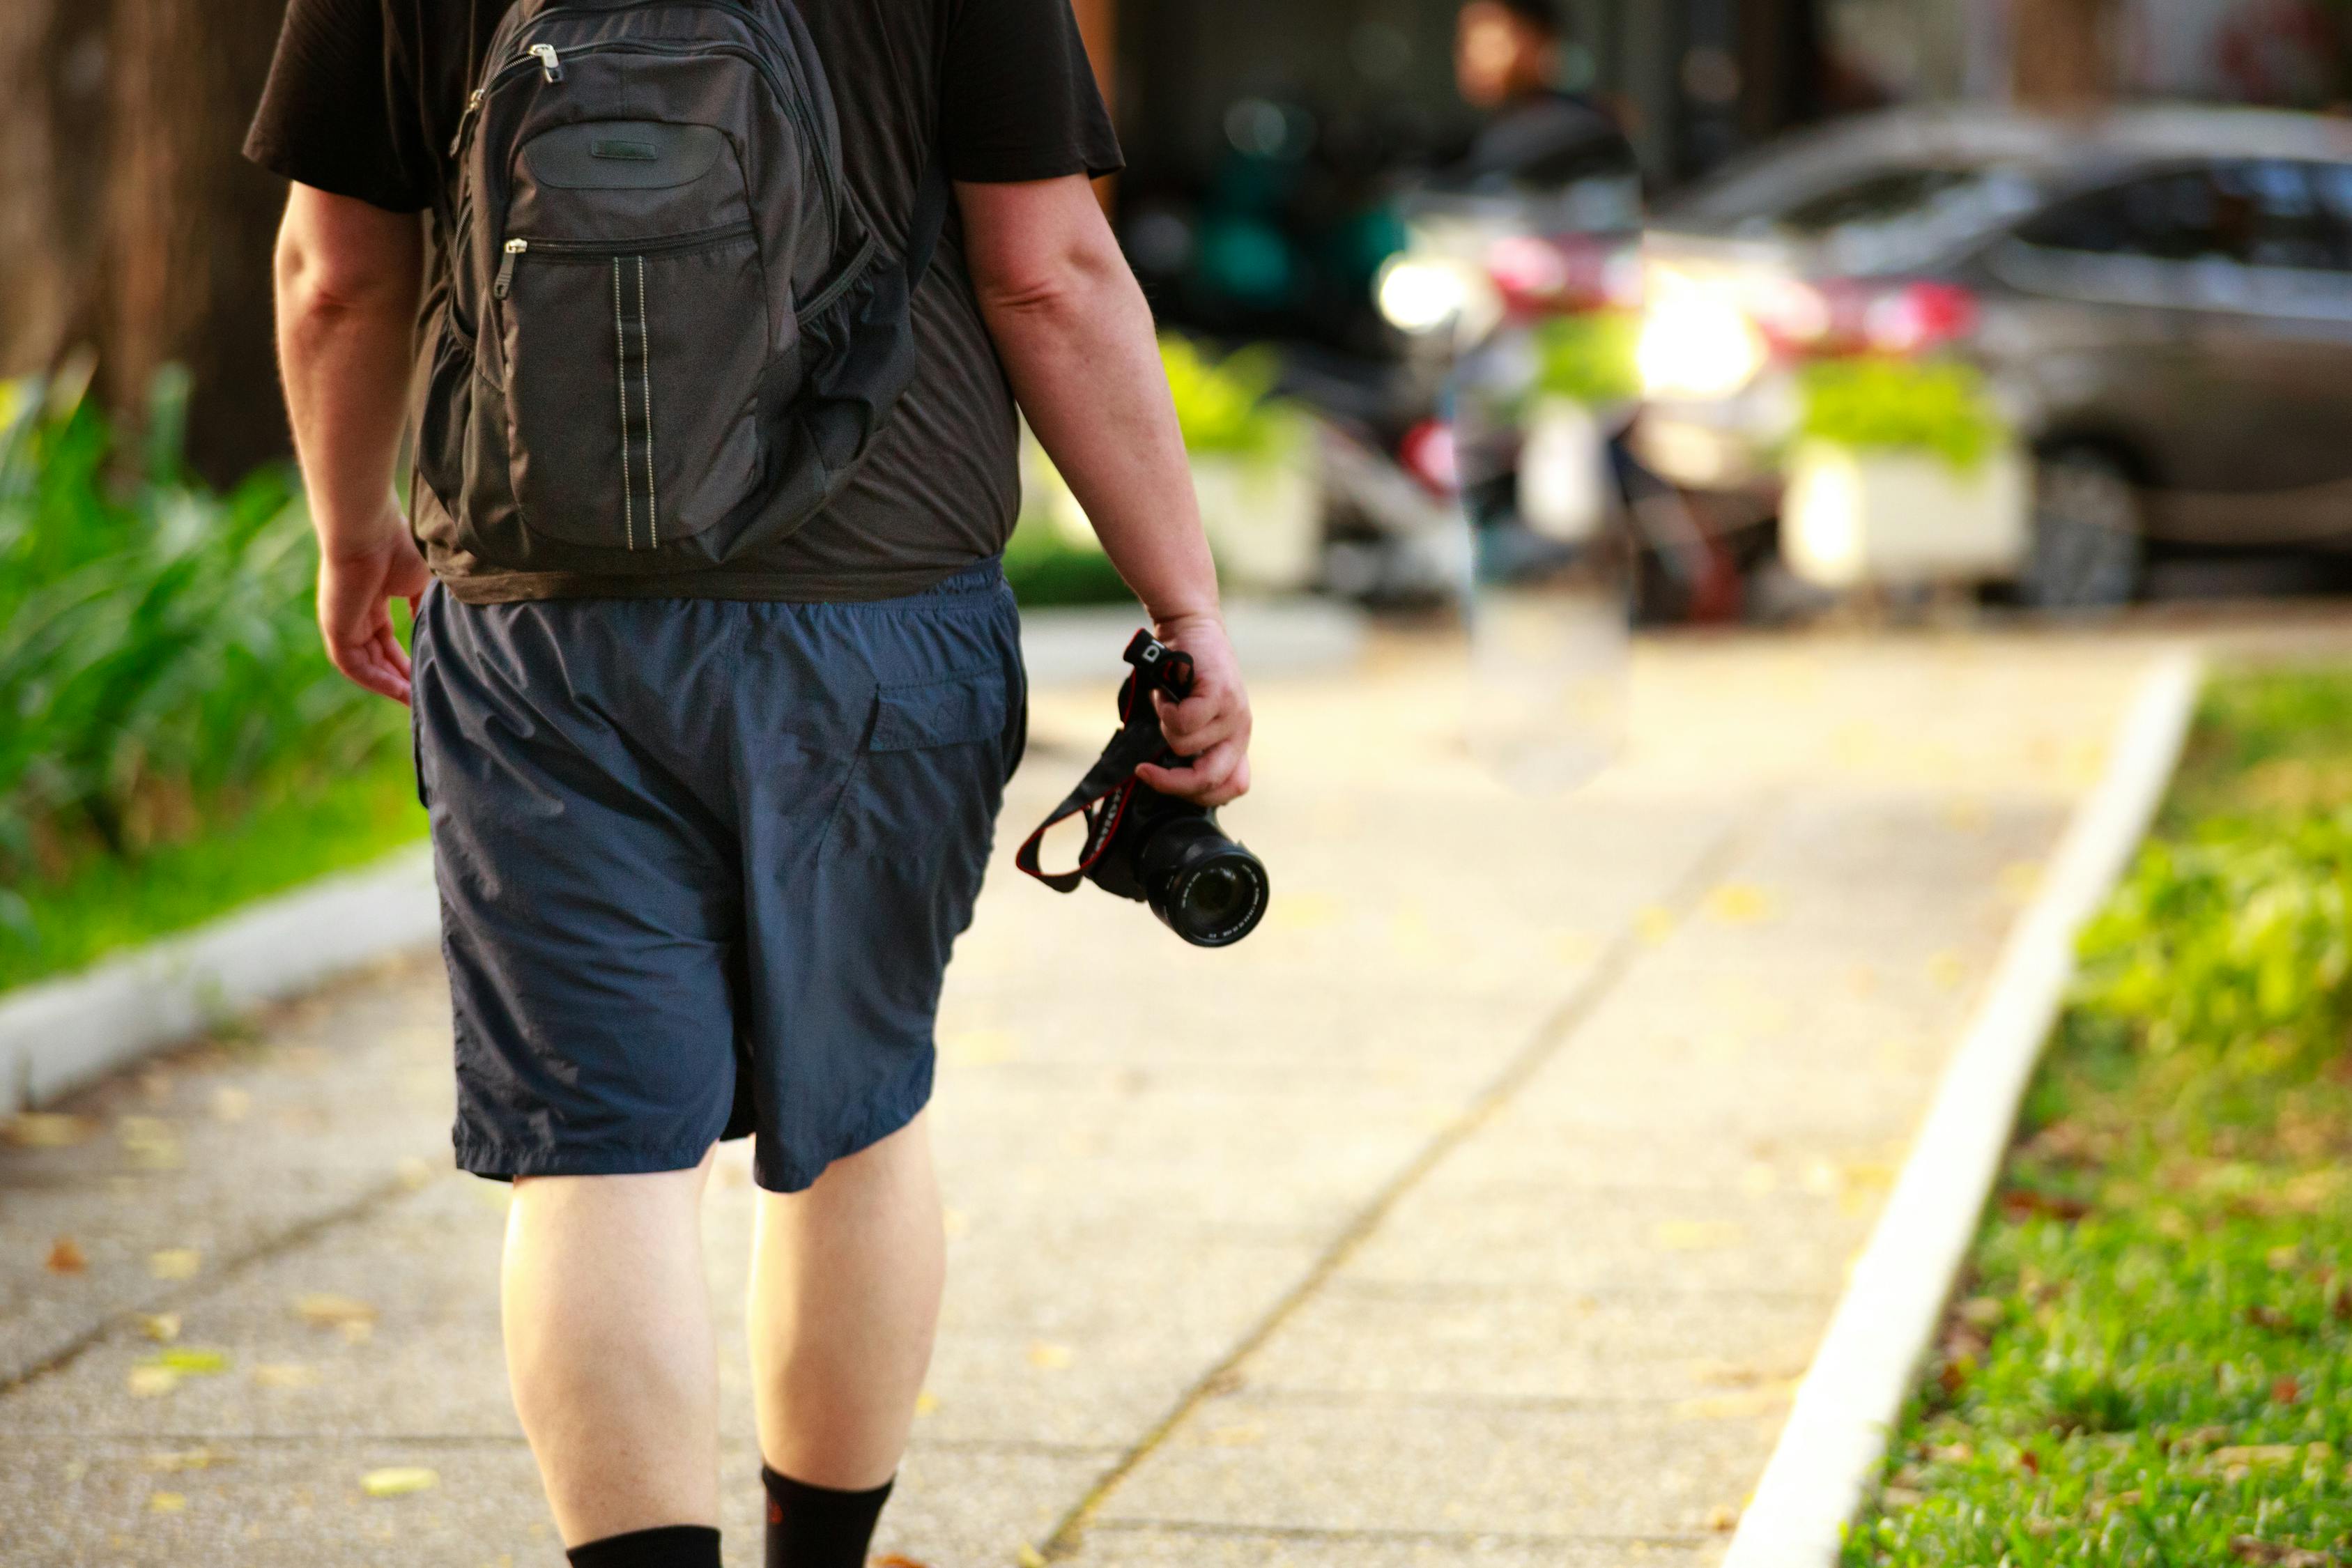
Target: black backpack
666, 338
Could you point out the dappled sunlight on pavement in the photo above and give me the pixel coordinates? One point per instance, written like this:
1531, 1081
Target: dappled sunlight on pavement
1484, 1206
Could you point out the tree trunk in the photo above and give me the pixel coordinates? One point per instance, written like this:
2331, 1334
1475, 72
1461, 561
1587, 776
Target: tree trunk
52, 176
128, 222
2063, 56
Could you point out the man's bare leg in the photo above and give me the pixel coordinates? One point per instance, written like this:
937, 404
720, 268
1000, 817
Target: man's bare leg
610, 1350
845, 1282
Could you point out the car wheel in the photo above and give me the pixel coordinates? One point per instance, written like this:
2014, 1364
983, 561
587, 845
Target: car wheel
2087, 548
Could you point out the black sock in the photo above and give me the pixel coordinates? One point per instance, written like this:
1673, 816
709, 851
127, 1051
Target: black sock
818, 1527
671, 1546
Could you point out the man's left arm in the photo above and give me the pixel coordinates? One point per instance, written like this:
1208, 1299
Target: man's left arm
348, 279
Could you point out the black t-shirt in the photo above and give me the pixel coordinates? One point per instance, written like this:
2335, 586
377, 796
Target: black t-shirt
364, 96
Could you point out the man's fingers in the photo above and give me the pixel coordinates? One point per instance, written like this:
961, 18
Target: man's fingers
1195, 724
388, 641
365, 665
1216, 776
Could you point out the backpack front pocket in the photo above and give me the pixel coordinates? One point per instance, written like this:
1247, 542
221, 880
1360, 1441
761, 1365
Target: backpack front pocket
632, 382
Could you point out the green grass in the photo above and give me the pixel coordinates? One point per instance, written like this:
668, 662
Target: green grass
285, 836
2151, 1359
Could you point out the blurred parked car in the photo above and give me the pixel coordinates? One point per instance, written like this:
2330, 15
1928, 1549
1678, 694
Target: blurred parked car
2161, 298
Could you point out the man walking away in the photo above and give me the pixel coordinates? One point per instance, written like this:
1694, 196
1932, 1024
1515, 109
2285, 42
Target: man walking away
704, 827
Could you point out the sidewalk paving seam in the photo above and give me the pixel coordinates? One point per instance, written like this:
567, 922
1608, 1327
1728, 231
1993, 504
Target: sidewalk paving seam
1708, 868
368, 1203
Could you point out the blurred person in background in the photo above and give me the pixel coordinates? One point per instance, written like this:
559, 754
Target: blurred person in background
1507, 61
689, 892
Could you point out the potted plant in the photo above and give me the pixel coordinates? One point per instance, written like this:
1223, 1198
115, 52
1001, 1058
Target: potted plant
1253, 457
1254, 470
1584, 370
1903, 472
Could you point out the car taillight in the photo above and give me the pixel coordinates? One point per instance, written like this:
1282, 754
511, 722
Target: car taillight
1918, 316
1429, 454
1848, 315
1544, 275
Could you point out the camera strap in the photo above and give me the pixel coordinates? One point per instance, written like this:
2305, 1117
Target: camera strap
1103, 795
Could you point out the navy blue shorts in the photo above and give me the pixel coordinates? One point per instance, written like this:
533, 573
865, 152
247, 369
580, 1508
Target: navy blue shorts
701, 863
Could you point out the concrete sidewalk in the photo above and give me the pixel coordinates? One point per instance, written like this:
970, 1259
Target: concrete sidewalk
1481, 1209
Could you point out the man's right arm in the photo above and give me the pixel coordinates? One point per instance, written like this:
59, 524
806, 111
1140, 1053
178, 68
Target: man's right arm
1076, 338
348, 277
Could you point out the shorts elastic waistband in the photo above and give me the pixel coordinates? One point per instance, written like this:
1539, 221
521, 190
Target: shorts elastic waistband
977, 578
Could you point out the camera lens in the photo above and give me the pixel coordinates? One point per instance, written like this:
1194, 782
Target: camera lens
1209, 889
1217, 899
1211, 897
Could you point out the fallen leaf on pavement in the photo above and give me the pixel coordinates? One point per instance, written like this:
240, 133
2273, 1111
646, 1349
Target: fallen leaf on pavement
171, 1460
149, 1382
398, 1480
285, 1375
175, 1263
926, 1402
66, 1256
46, 1130
153, 1143
325, 1310
166, 1502
231, 1104
1047, 1355
191, 1361
1029, 1556
1655, 924
1740, 903
897, 1560
1696, 1235
162, 1326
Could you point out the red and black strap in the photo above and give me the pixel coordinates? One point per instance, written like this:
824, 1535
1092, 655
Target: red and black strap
1104, 794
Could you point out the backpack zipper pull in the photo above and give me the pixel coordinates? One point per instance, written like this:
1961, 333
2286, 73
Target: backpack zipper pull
464, 121
548, 65
506, 268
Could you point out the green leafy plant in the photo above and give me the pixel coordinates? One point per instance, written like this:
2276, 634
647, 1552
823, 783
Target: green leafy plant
1226, 407
1883, 403
1587, 358
159, 664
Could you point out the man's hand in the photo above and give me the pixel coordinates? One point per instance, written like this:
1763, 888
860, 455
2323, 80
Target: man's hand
355, 591
348, 276
1211, 726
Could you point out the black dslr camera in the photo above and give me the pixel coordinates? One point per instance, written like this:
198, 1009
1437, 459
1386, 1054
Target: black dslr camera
1163, 851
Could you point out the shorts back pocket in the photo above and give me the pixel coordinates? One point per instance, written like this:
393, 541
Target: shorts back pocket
931, 765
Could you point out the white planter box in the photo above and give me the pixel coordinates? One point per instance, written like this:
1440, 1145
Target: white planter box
1853, 517
1564, 480
1265, 520
1263, 517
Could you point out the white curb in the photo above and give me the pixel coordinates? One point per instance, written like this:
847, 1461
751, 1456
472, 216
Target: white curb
60, 1035
1896, 1296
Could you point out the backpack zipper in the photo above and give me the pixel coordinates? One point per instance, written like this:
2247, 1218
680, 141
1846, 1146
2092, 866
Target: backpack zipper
599, 249
544, 57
